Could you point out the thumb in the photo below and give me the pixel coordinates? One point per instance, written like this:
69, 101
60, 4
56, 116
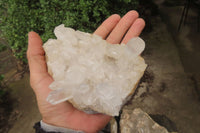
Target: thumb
34, 44
35, 54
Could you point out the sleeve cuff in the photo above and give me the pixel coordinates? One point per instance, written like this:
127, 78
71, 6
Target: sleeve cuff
49, 128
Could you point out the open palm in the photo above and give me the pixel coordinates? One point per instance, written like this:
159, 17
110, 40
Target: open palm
115, 30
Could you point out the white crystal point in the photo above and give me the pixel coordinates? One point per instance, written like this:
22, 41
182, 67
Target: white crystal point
59, 96
136, 45
90, 73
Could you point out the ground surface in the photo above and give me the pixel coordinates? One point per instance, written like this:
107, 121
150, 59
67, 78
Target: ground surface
21, 98
187, 39
27, 106
166, 89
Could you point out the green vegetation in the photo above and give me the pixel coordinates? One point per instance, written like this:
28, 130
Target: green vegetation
18, 17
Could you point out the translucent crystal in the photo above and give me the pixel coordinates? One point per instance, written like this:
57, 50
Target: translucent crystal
90, 73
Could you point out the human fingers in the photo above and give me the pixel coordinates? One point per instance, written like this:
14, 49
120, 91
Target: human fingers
107, 26
34, 44
36, 61
135, 30
121, 28
35, 54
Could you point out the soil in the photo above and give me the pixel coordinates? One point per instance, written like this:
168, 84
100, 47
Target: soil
166, 92
18, 104
6, 101
6, 107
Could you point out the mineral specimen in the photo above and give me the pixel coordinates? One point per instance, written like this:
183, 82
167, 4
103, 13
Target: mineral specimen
90, 73
137, 121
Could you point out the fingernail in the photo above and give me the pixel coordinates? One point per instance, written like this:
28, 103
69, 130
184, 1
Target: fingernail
30, 34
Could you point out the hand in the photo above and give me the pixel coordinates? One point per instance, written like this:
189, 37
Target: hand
114, 30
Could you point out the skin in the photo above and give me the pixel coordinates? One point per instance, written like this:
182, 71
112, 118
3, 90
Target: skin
115, 30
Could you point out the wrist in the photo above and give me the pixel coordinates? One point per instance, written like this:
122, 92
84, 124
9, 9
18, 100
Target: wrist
51, 128
54, 122
61, 120
66, 123
69, 125
74, 124
77, 120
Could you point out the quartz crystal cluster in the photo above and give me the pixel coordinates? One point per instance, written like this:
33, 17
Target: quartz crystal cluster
90, 73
